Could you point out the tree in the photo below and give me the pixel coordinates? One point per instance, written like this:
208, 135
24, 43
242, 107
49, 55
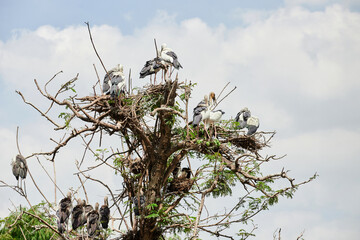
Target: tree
153, 124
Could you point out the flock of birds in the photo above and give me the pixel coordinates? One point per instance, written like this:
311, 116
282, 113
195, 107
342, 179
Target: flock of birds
114, 80
82, 214
114, 85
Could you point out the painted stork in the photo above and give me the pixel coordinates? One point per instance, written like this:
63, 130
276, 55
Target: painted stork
105, 213
63, 213
87, 209
114, 81
245, 120
93, 221
200, 111
19, 168
77, 214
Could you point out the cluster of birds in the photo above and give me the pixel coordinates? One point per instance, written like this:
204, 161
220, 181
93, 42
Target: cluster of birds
114, 81
82, 214
204, 112
114, 85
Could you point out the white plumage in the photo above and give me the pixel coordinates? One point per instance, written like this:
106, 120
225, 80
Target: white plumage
114, 81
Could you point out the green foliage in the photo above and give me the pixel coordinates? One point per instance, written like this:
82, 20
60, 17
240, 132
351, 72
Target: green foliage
33, 229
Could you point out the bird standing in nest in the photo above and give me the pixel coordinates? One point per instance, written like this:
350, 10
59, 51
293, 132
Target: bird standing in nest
152, 67
245, 120
114, 81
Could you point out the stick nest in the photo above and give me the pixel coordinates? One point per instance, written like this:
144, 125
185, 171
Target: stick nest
180, 185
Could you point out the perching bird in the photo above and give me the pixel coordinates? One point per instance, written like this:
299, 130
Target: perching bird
93, 221
152, 67
245, 120
203, 111
105, 214
114, 81
77, 214
87, 208
169, 56
63, 213
185, 173
214, 116
19, 168
136, 203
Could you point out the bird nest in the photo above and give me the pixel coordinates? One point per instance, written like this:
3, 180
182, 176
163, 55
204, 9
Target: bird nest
127, 106
247, 142
180, 185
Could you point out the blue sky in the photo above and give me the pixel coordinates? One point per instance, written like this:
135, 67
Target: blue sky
295, 64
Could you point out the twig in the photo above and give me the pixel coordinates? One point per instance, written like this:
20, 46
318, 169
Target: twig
92, 42
217, 103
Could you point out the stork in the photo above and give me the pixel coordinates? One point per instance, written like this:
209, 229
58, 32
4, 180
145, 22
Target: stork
152, 67
114, 81
185, 173
87, 209
105, 213
19, 168
203, 110
63, 213
137, 206
77, 214
93, 221
214, 116
169, 56
245, 120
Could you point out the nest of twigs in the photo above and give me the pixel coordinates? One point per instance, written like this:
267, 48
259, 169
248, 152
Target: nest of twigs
247, 142
127, 106
180, 185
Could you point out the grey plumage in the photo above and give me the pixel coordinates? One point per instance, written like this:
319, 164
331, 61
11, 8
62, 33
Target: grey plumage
63, 213
245, 120
114, 81
105, 214
87, 209
199, 110
19, 167
93, 221
77, 214
152, 67
136, 204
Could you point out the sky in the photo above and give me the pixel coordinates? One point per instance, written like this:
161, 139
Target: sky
295, 65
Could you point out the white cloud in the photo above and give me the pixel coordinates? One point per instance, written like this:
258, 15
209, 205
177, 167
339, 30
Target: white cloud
279, 61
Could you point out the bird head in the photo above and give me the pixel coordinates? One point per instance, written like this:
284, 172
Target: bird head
106, 202
96, 206
68, 195
163, 46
